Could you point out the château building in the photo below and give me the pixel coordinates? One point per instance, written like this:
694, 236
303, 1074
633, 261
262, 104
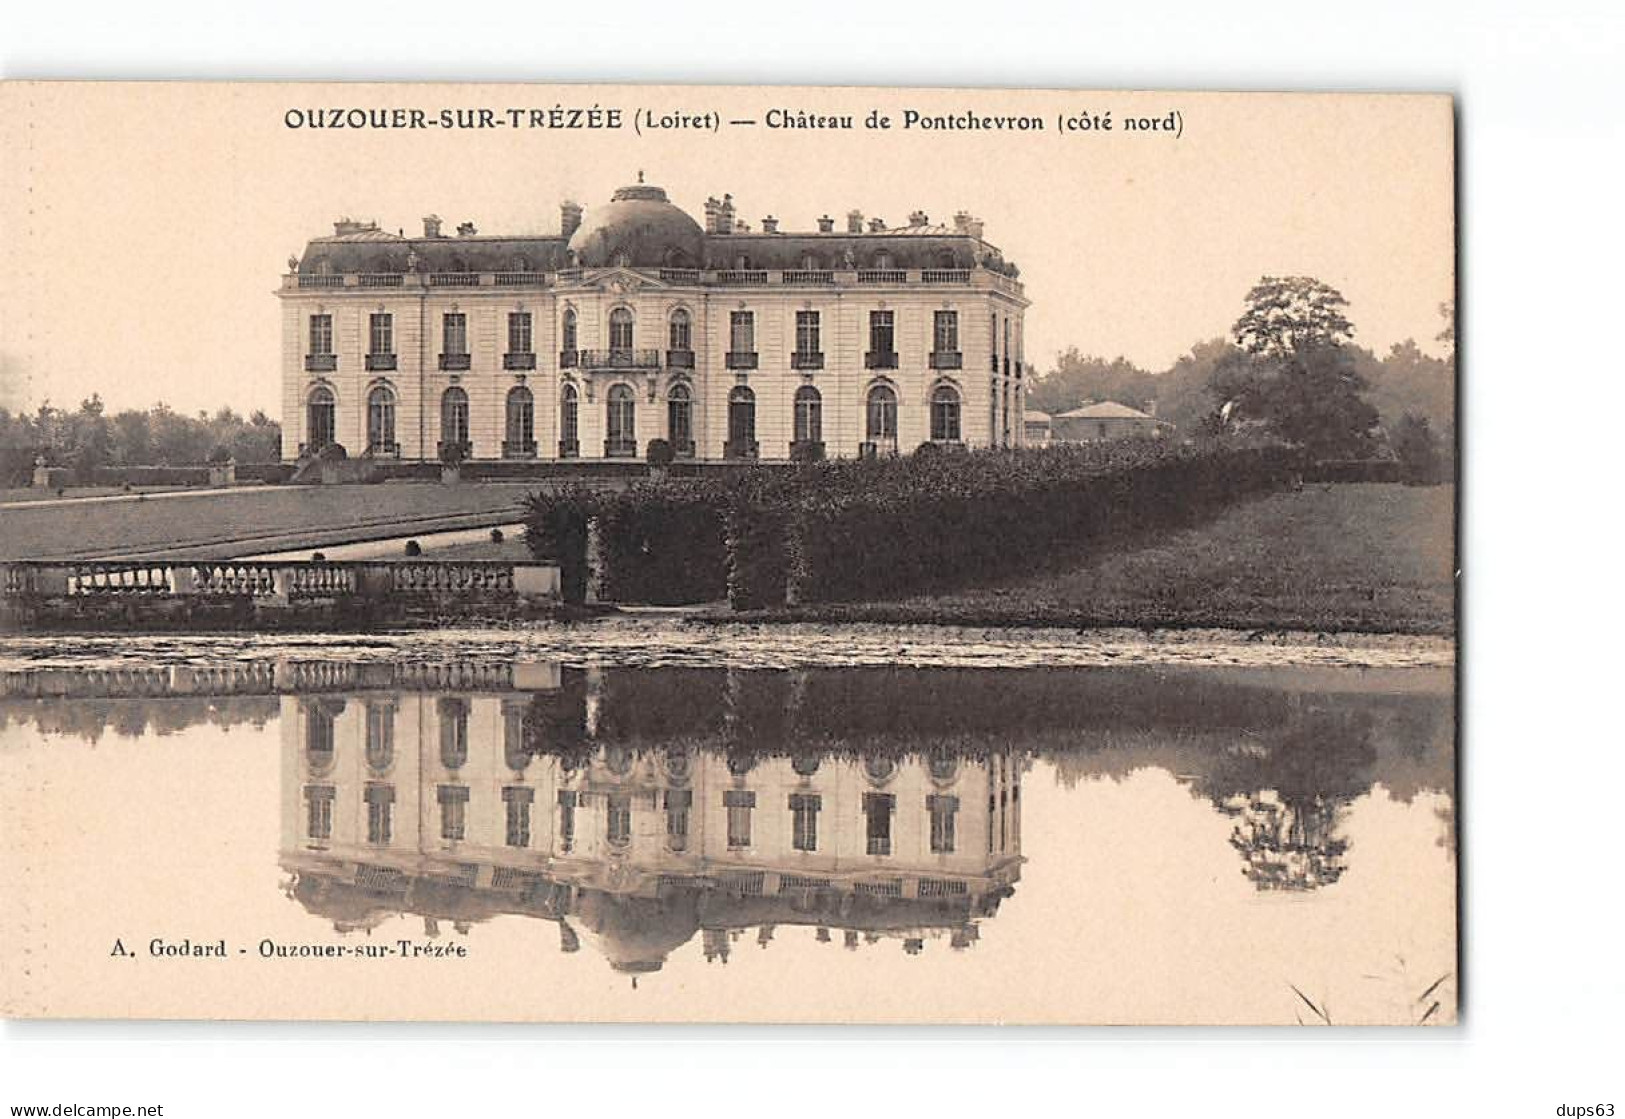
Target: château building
635, 322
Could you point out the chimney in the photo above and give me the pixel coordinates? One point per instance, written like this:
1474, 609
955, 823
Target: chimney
431, 226
466, 229
713, 215
826, 224
348, 225
569, 218
854, 221
741, 225
770, 224
918, 220
877, 225
725, 214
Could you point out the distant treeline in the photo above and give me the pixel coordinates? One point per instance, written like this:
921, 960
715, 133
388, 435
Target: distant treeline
88, 438
1406, 382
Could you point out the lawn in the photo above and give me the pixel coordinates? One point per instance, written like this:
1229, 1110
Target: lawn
1366, 558
255, 519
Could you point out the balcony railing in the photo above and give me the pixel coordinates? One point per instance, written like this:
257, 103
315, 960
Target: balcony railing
618, 358
680, 275
806, 360
455, 363
454, 279
947, 359
519, 279
945, 276
741, 276
522, 449
741, 359
569, 359
380, 280
882, 276
321, 363
519, 361
620, 447
380, 363
880, 359
680, 359
320, 281
807, 276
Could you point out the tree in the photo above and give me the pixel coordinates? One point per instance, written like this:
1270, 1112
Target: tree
1295, 370
1417, 449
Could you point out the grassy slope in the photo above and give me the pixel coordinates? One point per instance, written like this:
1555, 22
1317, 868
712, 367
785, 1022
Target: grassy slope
1374, 558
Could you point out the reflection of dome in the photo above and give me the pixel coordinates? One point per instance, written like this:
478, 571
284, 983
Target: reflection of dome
637, 934
640, 228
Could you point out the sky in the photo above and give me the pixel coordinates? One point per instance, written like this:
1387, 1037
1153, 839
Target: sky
146, 226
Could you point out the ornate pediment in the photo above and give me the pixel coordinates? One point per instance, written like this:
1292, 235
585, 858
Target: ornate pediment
618, 280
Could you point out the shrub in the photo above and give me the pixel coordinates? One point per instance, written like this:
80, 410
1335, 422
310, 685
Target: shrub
220, 455
659, 453
556, 533
334, 452
452, 454
413, 548
496, 536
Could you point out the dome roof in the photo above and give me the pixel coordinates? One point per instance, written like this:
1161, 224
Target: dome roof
641, 228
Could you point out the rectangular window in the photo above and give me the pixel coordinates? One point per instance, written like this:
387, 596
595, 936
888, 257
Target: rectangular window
678, 804
381, 336
807, 341
319, 811
742, 332
945, 332
567, 821
380, 813
453, 812
516, 801
519, 332
882, 332
804, 820
454, 333
877, 813
321, 334
942, 810
738, 803
618, 820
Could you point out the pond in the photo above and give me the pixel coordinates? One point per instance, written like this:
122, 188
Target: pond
649, 822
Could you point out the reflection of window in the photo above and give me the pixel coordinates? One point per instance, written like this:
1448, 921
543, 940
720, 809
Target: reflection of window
453, 812
516, 802
877, 813
515, 753
804, 821
567, 821
805, 765
943, 769
380, 813
380, 736
740, 764
453, 712
879, 768
739, 803
678, 804
319, 719
319, 811
942, 809
618, 820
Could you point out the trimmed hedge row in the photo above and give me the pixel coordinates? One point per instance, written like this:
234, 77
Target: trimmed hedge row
851, 530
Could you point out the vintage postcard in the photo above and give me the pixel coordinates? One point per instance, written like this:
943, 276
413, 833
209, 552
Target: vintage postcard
700, 554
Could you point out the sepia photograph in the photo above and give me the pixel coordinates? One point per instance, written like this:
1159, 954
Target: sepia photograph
728, 554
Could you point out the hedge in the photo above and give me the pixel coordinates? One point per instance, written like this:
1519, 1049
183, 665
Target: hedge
851, 530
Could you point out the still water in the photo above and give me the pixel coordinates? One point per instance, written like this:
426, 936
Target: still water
648, 824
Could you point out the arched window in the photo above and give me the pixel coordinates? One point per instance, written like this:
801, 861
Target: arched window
320, 418
569, 428
809, 418
945, 414
681, 334
453, 712
741, 423
454, 418
380, 749
520, 439
621, 437
680, 419
381, 421
620, 329
805, 765
881, 423
568, 343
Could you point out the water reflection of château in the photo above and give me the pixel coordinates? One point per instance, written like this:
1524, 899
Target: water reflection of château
460, 807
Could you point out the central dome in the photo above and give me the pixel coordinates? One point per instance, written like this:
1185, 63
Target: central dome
640, 228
